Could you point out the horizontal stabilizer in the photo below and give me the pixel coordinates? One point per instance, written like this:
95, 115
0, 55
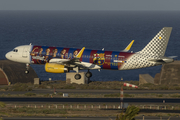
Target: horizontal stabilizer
162, 60
172, 56
129, 46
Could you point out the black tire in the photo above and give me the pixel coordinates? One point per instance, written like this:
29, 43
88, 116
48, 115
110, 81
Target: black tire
77, 76
26, 72
88, 74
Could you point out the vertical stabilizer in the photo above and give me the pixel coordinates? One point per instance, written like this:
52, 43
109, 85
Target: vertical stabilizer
157, 46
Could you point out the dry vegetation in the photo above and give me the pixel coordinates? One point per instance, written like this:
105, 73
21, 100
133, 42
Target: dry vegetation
111, 85
95, 85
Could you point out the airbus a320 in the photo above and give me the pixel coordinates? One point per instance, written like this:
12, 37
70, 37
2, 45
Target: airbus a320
62, 60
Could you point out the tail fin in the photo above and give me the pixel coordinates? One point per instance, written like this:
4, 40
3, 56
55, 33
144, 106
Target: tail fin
157, 46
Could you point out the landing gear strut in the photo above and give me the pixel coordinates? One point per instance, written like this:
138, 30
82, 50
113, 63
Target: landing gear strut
27, 69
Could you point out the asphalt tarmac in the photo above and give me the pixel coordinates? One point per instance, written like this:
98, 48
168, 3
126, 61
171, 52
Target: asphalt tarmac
89, 100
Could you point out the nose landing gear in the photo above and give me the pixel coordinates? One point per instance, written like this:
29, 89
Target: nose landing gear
27, 69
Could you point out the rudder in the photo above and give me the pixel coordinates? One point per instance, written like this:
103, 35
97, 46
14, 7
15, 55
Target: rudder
157, 46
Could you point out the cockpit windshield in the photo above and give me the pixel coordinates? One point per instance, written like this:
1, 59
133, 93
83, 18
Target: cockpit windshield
15, 50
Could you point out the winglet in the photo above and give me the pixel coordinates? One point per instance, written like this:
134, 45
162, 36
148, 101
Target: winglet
129, 46
80, 53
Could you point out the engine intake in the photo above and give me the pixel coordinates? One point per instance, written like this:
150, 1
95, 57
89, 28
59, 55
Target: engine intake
55, 68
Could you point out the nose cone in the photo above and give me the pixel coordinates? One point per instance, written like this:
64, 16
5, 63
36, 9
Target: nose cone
8, 56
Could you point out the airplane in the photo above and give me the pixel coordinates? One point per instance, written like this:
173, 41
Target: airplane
63, 60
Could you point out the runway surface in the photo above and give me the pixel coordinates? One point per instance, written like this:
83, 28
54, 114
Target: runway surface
100, 100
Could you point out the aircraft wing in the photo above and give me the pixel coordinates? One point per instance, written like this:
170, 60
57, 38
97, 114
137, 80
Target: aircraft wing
75, 62
128, 47
68, 61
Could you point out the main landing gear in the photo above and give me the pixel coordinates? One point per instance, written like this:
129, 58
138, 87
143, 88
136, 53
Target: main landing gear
78, 76
27, 69
88, 74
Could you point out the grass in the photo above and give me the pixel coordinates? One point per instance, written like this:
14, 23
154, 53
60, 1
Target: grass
95, 85
118, 95
108, 85
38, 111
92, 95
23, 110
112, 95
30, 94
2, 105
176, 95
18, 87
159, 95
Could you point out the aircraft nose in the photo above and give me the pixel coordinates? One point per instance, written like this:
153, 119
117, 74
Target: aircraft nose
8, 56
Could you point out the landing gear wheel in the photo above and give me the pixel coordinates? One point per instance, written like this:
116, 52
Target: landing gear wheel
77, 76
27, 69
88, 74
26, 72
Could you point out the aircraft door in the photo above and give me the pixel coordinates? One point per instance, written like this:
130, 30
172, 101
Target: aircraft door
25, 52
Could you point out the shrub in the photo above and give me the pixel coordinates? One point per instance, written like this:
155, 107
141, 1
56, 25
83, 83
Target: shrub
159, 95
60, 93
21, 87
39, 111
112, 95
130, 113
128, 95
30, 94
2, 104
175, 95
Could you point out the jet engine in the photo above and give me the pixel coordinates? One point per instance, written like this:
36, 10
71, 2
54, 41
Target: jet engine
55, 68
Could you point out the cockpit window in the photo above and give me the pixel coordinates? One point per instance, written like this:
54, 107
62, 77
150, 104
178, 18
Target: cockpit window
15, 50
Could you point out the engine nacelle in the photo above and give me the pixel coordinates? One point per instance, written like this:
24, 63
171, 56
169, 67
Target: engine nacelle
55, 68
